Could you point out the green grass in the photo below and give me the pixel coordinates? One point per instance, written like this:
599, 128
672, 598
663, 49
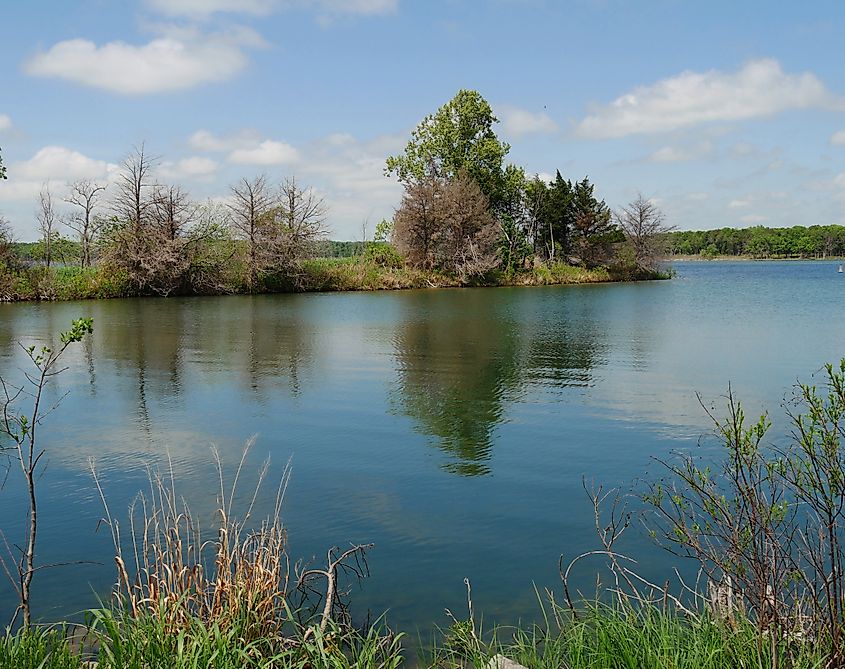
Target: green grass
608, 637
600, 637
37, 648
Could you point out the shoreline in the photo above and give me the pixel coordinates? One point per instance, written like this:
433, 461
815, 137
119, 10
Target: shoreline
64, 284
699, 258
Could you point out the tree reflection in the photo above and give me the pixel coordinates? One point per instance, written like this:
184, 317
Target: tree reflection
458, 362
464, 357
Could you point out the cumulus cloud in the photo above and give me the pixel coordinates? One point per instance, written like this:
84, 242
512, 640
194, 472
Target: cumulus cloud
838, 138
5, 122
268, 152
176, 60
519, 122
759, 89
246, 147
193, 167
57, 164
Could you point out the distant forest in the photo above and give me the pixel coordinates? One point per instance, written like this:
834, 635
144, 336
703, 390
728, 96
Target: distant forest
816, 241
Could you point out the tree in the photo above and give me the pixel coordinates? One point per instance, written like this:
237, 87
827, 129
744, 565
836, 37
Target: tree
46, 217
536, 206
459, 137
467, 245
152, 238
592, 226
252, 207
447, 226
416, 226
645, 227
301, 220
559, 217
84, 194
129, 245
132, 204
22, 430
2, 168
172, 211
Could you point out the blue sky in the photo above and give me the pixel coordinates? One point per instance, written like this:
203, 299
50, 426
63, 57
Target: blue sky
726, 113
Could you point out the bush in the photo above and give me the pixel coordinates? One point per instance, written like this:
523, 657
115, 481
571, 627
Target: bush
383, 255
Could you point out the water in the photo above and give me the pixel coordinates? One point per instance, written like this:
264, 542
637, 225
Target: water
452, 428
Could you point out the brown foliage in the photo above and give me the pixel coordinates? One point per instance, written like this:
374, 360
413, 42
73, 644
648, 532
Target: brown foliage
446, 225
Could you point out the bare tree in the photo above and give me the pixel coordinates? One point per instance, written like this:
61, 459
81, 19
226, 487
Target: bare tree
644, 225
46, 216
301, 219
132, 204
252, 207
129, 240
84, 194
172, 211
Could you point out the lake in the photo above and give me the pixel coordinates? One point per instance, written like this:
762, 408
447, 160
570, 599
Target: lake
451, 428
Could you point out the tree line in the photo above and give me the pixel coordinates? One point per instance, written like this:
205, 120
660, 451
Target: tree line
156, 239
815, 241
464, 214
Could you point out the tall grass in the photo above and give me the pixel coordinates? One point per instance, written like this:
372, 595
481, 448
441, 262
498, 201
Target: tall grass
37, 648
613, 637
222, 596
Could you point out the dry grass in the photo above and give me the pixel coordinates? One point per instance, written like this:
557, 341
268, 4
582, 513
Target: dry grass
238, 578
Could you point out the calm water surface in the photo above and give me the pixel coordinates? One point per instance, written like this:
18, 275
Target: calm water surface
452, 428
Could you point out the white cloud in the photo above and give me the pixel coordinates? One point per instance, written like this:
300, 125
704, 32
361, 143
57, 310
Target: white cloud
52, 164
759, 89
205, 8
5, 122
60, 163
673, 154
838, 138
268, 152
753, 218
245, 148
203, 140
351, 174
739, 204
176, 60
519, 122
193, 167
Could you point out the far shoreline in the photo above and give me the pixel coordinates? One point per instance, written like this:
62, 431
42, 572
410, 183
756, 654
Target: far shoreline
744, 258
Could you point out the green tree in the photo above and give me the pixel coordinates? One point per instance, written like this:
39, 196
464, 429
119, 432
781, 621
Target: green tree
592, 226
560, 216
2, 169
459, 137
